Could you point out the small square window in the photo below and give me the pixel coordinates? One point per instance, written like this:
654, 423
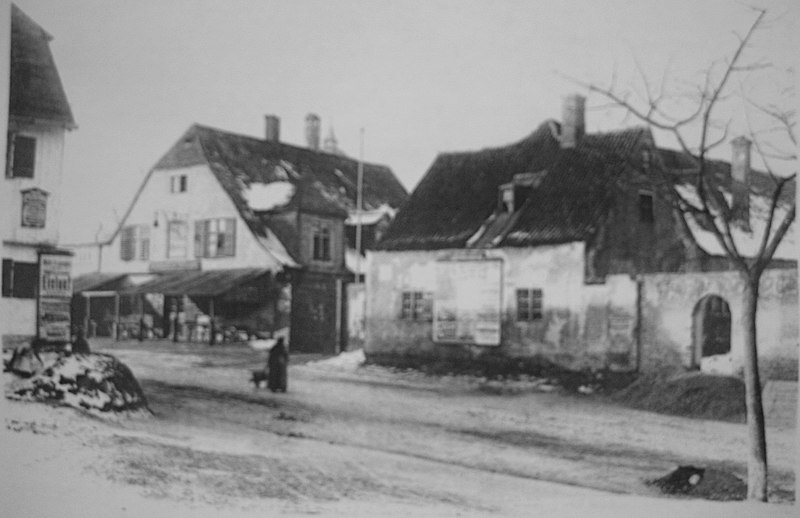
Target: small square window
529, 304
417, 305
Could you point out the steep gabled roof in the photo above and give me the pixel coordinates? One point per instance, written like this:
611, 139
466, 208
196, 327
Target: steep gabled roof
459, 193
36, 91
325, 183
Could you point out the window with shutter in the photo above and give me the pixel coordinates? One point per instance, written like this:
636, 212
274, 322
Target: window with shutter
215, 237
22, 156
20, 280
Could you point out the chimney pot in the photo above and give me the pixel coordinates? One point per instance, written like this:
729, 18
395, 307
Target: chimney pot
573, 122
312, 131
740, 180
272, 126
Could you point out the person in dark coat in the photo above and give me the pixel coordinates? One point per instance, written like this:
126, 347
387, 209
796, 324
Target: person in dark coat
277, 363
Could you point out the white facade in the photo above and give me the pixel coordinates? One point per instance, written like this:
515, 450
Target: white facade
21, 243
580, 325
161, 202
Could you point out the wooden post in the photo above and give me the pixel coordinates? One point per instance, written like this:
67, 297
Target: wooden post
86, 316
116, 316
213, 328
140, 300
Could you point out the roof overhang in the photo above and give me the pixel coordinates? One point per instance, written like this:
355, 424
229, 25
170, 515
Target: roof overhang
206, 283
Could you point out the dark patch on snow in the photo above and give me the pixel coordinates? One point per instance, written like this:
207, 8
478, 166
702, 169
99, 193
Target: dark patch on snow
88, 381
693, 481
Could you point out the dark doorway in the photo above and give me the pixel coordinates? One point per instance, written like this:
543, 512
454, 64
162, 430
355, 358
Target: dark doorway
711, 327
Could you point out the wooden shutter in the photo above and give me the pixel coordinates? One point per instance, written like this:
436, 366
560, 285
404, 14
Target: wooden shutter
229, 241
24, 157
8, 278
199, 238
127, 243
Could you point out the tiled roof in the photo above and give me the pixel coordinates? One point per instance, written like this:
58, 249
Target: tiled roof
459, 193
325, 183
36, 91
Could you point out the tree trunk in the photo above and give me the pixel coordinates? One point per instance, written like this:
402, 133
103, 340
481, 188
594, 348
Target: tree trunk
757, 456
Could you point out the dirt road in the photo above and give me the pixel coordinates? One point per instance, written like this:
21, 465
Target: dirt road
447, 445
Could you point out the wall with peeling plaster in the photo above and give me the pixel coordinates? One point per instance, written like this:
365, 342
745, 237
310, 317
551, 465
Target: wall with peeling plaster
583, 327
668, 302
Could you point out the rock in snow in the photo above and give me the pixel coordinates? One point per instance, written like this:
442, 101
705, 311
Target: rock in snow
88, 381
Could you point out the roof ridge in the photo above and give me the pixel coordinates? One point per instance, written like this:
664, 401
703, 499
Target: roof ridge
205, 127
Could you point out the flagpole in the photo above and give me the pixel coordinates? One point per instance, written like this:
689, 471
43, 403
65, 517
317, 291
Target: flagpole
359, 206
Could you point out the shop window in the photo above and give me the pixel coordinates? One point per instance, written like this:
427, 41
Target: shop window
529, 305
20, 279
417, 305
21, 157
215, 237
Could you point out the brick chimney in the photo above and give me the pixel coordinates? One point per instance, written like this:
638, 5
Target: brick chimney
573, 123
740, 181
272, 128
312, 131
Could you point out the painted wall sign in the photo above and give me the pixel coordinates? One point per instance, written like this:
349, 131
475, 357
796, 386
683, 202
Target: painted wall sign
467, 302
34, 208
55, 292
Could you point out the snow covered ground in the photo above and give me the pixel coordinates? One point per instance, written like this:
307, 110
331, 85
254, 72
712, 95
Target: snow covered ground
215, 447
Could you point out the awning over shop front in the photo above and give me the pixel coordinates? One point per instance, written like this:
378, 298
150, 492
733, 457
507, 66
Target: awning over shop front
207, 283
98, 282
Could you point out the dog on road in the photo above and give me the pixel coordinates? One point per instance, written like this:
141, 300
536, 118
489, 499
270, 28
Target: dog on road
259, 378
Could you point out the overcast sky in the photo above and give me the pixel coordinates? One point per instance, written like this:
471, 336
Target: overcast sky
421, 77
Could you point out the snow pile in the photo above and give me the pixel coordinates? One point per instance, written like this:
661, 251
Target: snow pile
87, 381
268, 196
346, 361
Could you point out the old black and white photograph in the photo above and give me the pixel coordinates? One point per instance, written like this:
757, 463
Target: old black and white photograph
430, 258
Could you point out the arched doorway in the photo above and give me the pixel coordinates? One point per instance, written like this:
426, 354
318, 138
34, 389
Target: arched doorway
711, 328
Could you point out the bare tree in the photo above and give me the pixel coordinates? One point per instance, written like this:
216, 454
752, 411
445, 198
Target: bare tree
698, 132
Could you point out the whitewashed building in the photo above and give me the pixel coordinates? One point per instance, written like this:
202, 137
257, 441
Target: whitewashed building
36, 278
564, 250
232, 231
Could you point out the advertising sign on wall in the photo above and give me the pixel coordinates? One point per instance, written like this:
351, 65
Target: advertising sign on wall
34, 208
467, 301
55, 292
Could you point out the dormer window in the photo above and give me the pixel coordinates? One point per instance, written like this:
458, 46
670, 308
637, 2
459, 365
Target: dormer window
178, 183
506, 198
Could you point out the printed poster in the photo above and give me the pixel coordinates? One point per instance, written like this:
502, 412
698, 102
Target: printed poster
467, 302
55, 293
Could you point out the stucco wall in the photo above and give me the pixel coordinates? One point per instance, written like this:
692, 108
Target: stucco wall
46, 176
203, 199
668, 303
583, 326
